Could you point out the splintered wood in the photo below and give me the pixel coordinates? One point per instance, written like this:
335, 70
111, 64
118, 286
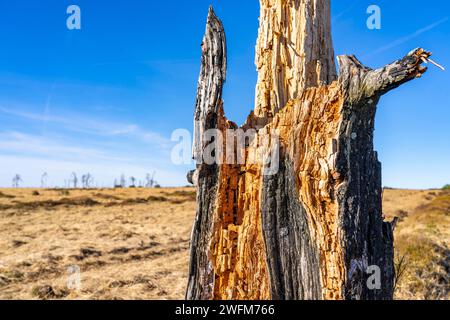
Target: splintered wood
310, 227
238, 248
294, 51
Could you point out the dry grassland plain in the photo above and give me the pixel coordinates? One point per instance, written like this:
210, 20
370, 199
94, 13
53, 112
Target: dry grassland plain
134, 243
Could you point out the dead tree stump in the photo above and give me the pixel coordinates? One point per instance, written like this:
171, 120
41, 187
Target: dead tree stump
311, 228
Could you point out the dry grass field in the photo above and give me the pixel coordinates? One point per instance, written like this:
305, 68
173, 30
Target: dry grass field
133, 243
422, 240
128, 244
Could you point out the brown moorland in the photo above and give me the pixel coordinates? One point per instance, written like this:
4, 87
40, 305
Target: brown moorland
134, 243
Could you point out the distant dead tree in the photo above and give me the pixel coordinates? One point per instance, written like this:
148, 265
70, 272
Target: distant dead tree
44, 178
123, 181
150, 180
74, 180
16, 181
133, 182
87, 180
90, 180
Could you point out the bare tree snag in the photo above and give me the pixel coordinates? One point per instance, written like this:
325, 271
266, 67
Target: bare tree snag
208, 113
312, 228
294, 52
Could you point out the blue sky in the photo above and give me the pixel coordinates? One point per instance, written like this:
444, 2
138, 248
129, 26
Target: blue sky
105, 99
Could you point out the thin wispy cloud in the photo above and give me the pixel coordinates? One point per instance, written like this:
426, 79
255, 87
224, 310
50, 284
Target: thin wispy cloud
77, 142
35, 154
409, 37
22, 143
90, 126
47, 106
345, 11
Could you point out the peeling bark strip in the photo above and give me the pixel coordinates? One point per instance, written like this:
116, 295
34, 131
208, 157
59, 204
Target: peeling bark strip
207, 114
311, 230
293, 258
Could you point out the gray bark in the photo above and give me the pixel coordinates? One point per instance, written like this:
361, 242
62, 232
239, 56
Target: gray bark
293, 257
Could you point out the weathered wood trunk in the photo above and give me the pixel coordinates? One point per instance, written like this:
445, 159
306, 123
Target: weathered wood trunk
292, 210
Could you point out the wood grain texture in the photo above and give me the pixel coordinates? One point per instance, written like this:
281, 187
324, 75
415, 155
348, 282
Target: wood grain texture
294, 51
311, 229
207, 114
